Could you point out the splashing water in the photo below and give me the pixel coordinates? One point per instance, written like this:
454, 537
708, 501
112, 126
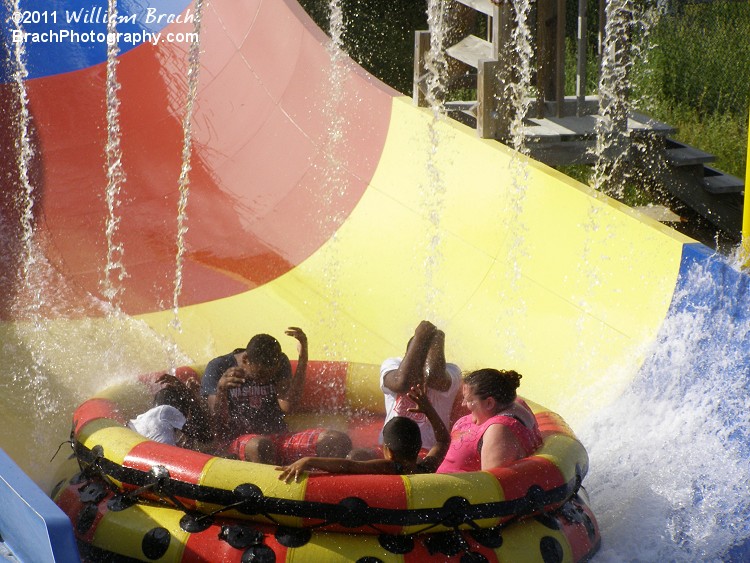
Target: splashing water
626, 33
335, 185
519, 92
625, 40
433, 193
187, 151
435, 61
115, 172
59, 345
669, 478
25, 152
29, 381
611, 123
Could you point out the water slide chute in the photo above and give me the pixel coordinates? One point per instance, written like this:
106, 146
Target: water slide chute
580, 294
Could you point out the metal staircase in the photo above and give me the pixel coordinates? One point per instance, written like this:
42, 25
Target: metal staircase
560, 130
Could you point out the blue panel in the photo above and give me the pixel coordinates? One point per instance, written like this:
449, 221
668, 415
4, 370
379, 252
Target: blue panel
712, 299
707, 281
68, 35
32, 526
698, 376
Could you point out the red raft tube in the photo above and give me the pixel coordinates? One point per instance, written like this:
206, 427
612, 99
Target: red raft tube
135, 499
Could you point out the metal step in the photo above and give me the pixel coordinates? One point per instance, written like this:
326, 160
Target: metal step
484, 6
468, 107
568, 128
687, 156
660, 213
570, 106
717, 182
641, 122
471, 50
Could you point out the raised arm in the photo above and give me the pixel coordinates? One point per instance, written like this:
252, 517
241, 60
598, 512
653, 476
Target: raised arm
219, 403
291, 391
435, 456
411, 370
435, 374
335, 465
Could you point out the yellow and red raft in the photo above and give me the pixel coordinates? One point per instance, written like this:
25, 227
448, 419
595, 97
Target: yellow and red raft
135, 499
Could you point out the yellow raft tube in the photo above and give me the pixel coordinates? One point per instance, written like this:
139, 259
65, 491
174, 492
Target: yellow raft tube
135, 499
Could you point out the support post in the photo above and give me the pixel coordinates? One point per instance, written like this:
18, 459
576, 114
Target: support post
488, 126
545, 55
421, 47
582, 39
560, 59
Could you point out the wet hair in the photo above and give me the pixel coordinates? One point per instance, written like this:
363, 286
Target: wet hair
169, 396
498, 384
403, 438
263, 349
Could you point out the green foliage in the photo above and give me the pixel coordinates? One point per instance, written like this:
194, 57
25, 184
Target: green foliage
701, 57
697, 78
571, 64
378, 35
579, 172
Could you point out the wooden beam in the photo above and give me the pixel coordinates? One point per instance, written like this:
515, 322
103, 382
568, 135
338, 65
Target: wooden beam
560, 59
470, 50
484, 6
582, 39
488, 125
421, 47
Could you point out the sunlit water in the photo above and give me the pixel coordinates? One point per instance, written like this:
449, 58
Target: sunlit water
114, 271
334, 171
432, 193
669, 455
53, 365
183, 183
669, 477
519, 92
626, 38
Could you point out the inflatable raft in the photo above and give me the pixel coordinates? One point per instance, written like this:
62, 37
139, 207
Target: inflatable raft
134, 499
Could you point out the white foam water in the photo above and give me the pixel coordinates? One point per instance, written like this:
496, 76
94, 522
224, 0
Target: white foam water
114, 270
670, 476
183, 182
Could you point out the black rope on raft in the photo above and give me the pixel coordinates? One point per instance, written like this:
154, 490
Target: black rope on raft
96, 469
351, 512
243, 535
70, 442
161, 477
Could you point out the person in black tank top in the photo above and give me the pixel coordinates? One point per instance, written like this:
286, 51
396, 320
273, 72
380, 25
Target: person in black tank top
250, 390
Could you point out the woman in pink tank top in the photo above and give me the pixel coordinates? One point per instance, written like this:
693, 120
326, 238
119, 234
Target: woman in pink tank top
500, 428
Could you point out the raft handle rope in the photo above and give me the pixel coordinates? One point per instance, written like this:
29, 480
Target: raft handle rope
241, 536
159, 476
352, 512
70, 442
95, 469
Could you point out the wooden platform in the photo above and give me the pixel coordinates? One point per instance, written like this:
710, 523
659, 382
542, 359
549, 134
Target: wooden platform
561, 130
471, 50
560, 141
687, 178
